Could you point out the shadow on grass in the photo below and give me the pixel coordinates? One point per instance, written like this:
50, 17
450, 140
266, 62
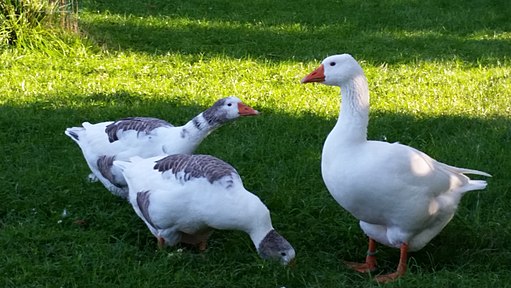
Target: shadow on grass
388, 31
35, 131
277, 155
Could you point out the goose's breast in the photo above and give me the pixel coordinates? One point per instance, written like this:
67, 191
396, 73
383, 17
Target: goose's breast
368, 183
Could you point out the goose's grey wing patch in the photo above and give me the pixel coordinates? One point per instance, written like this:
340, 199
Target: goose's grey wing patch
195, 166
139, 124
143, 204
105, 167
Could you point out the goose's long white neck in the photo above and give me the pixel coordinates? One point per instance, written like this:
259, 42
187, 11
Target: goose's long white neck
188, 136
354, 113
198, 128
256, 220
244, 211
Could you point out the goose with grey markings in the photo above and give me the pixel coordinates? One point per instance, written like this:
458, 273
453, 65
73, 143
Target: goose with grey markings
104, 142
182, 198
402, 197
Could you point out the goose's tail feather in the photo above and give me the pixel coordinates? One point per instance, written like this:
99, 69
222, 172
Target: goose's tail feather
74, 133
469, 171
473, 185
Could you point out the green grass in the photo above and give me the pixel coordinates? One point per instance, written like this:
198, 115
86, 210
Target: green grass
440, 78
42, 25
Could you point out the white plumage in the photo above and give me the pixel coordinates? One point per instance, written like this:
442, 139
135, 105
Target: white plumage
402, 197
182, 198
104, 142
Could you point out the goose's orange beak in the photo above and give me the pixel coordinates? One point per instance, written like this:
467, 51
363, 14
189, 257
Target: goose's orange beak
246, 110
317, 75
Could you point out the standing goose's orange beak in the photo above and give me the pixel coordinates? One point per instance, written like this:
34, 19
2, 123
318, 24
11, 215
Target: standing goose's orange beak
246, 110
317, 75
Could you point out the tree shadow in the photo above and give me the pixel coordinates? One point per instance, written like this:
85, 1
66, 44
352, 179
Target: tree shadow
278, 157
289, 144
382, 31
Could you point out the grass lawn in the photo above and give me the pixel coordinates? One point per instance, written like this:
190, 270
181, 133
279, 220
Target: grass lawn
440, 79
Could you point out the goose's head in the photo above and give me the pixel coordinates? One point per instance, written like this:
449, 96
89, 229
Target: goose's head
274, 246
227, 109
335, 70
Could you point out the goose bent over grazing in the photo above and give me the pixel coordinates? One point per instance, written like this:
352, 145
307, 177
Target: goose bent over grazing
182, 197
402, 197
104, 142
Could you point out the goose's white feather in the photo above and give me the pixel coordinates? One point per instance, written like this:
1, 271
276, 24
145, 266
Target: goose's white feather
145, 137
399, 194
181, 196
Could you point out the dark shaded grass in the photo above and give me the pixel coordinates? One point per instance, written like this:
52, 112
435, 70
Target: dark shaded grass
380, 31
101, 242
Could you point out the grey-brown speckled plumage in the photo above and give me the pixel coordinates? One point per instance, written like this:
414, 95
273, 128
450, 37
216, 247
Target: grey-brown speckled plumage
104, 166
185, 133
195, 166
273, 245
143, 204
214, 113
139, 124
197, 123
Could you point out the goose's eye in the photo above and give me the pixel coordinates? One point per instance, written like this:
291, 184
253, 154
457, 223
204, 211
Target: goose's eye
283, 254
332, 63
229, 104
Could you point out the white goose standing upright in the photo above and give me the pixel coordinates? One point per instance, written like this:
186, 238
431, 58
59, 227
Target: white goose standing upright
104, 142
402, 197
182, 198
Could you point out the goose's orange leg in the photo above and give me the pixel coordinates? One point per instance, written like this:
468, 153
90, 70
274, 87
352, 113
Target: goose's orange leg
161, 243
370, 264
401, 267
203, 245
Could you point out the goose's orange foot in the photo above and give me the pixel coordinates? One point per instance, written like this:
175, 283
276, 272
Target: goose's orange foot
401, 267
368, 266
388, 277
161, 243
203, 245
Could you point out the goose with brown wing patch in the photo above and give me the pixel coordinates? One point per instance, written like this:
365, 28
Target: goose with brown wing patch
145, 137
182, 198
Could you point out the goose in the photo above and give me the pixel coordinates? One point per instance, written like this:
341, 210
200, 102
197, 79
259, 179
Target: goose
104, 142
183, 197
401, 196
